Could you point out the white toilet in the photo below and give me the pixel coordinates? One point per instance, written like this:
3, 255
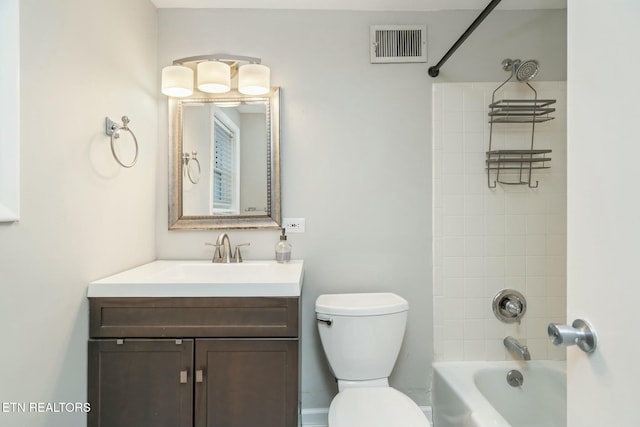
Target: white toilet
361, 335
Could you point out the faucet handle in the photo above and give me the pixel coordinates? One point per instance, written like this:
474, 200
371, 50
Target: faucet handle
237, 256
217, 256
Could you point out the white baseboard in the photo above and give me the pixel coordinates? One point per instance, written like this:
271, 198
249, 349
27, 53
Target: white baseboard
317, 417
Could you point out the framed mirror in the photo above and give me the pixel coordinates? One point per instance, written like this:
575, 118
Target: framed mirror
225, 161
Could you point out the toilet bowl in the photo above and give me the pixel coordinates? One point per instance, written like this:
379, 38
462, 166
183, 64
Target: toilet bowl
361, 334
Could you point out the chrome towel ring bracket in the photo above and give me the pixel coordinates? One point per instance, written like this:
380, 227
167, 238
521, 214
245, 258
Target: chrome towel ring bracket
191, 166
113, 129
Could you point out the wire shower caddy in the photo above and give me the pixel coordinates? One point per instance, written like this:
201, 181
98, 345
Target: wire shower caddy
515, 166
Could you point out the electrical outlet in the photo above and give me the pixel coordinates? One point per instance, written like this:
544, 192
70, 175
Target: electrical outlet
293, 225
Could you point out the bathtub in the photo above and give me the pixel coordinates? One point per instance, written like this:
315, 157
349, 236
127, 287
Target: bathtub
476, 394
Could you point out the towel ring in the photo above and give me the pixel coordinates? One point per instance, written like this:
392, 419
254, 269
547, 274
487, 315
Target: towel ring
113, 129
188, 160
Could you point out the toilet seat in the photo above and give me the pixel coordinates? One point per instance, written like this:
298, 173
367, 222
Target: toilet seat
375, 407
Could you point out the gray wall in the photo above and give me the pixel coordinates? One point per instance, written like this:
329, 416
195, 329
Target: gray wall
356, 150
82, 216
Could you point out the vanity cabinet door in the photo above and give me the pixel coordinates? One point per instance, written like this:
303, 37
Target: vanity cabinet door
137, 382
246, 383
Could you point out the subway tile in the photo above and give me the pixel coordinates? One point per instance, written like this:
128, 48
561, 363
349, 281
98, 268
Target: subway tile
474, 225
453, 246
473, 350
493, 329
515, 225
494, 204
452, 184
518, 283
493, 284
537, 327
453, 226
537, 307
474, 184
473, 204
557, 306
536, 224
536, 286
473, 329
473, 100
473, 142
453, 205
474, 287
495, 246
556, 244
453, 267
494, 266
476, 308
438, 280
516, 203
453, 330
474, 246
453, 287
556, 286
556, 265
452, 99
452, 122
486, 239
474, 164
438, 339
538, 348
453, 309
515, 245
452, 163
452, 142
495, 225
473, 267
537, 265
494, 350
437, 222
453, 350
536, 244
473, 121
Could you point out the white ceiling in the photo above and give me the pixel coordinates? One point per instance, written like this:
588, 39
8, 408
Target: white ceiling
380, 5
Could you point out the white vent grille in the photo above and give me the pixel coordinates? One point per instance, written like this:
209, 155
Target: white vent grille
398, 43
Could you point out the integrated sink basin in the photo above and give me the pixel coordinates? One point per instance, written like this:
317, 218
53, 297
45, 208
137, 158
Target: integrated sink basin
183, 278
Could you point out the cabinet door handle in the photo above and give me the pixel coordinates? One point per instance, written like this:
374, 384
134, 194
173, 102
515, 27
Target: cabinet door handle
183, 377
199, 375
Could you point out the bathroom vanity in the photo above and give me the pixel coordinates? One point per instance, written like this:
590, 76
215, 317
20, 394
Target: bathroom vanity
200, 352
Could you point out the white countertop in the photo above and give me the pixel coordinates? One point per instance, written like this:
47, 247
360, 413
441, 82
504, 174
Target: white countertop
200, 278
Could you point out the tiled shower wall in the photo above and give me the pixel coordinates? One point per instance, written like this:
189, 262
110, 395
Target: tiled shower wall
487, 239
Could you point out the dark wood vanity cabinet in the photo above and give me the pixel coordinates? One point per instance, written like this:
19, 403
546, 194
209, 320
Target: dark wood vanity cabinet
203, 362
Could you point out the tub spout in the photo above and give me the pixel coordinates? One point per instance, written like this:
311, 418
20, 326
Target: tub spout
514, 346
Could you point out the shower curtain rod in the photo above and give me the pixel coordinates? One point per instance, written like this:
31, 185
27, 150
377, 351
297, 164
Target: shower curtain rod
435, 70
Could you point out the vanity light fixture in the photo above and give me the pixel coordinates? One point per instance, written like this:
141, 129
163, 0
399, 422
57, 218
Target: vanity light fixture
215, 74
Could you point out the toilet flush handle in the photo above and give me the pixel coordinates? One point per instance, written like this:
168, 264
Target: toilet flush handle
326, 320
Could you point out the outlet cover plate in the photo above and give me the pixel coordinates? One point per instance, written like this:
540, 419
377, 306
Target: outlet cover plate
293, 225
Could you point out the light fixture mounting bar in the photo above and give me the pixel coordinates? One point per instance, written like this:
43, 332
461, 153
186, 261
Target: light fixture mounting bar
218, 57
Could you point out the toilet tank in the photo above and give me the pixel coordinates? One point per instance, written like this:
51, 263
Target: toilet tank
361, 333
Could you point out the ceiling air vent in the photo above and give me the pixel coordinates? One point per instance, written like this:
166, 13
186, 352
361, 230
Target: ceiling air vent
398, 43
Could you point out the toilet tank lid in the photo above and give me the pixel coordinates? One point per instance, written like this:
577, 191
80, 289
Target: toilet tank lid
361, 304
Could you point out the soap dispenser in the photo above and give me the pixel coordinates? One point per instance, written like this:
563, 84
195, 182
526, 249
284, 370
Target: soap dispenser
283, 249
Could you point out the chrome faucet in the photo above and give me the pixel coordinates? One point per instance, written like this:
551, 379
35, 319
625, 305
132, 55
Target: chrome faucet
514, 346
222, 251
223, 248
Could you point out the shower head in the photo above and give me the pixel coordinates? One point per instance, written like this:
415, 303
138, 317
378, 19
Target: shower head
524, 71
527, 70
